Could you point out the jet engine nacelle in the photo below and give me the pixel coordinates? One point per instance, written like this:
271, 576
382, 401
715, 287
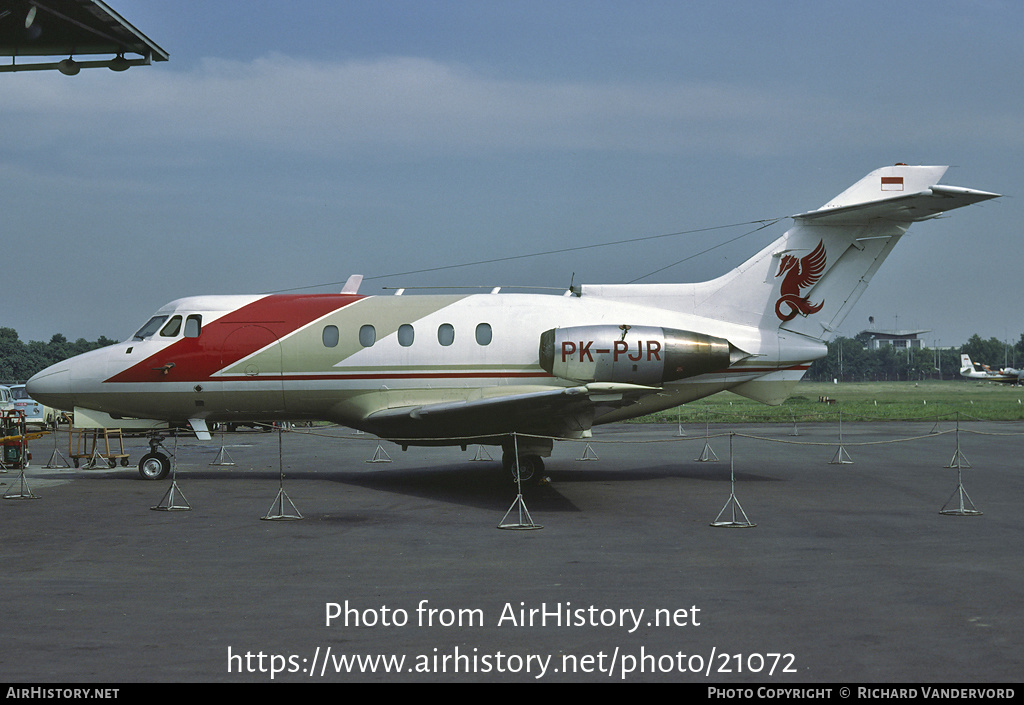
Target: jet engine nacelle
644, 355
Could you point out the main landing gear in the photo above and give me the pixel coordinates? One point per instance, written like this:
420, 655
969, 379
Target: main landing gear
530, 466
529, 470
154, 465
523, 461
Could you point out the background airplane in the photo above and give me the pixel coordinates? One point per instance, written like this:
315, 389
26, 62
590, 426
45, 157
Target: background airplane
1006, 375
516, 370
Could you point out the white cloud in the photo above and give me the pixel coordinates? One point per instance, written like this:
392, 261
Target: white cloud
282, 103
413, 106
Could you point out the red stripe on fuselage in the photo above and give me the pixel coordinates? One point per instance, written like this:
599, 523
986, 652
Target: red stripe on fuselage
195, 359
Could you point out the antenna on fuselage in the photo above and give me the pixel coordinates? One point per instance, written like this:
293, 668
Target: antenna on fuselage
572, 286
353, 284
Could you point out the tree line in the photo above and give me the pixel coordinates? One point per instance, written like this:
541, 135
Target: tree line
849, 360
20, 360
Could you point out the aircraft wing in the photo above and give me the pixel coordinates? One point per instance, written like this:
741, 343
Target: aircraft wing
556, 411
912, 207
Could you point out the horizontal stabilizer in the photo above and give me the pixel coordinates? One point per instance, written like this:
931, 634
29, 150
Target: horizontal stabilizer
897, 193
917, 206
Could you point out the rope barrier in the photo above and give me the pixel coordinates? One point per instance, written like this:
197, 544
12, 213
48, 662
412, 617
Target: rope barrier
732, 514
474, 439
517, 517
825, 416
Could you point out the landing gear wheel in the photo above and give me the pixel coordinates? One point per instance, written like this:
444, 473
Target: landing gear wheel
530, 468
154, 466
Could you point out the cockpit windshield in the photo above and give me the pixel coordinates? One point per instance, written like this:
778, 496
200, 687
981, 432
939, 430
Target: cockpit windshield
192, 326
151, 327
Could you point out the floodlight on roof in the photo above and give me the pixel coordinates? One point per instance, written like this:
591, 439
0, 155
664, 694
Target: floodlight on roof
68, 67
119, 63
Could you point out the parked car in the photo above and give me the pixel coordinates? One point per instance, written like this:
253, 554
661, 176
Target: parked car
6, 401
35, 413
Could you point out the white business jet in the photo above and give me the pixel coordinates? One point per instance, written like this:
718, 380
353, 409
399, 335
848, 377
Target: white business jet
459, 370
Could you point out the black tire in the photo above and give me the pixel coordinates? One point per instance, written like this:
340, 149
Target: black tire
530, 468
154, 466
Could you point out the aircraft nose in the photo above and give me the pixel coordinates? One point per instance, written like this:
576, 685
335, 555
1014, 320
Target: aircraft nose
52, 387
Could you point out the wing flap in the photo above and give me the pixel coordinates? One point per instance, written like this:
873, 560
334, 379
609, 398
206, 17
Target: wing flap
557, 411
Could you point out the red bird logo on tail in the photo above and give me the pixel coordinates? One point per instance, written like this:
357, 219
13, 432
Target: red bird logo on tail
800, 274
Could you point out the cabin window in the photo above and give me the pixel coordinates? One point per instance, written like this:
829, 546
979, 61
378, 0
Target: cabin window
193, 325
151, 327
446, 334
406, 334
330, 336
172, 328
367, 336
483, 334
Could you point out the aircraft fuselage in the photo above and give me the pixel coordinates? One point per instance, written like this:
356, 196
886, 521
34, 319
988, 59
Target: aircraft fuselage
346, 358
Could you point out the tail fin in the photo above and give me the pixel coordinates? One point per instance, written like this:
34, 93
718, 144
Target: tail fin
808, 280
965, 363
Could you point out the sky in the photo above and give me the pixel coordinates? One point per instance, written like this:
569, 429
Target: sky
285, 146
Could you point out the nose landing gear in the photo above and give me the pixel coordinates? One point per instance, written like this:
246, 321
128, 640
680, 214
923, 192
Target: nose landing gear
155, 465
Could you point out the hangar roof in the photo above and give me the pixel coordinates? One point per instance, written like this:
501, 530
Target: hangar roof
70, 28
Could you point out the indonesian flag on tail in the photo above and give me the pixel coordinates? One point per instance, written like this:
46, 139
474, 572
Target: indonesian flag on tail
892, 183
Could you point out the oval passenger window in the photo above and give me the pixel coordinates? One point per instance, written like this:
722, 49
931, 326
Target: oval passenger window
483, 334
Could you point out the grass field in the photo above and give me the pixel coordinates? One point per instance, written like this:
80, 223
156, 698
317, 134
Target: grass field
863, 401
